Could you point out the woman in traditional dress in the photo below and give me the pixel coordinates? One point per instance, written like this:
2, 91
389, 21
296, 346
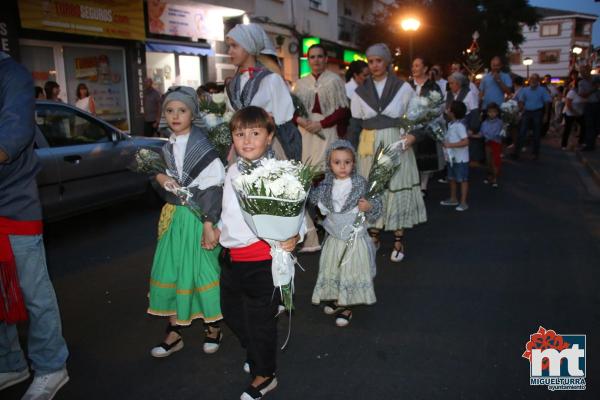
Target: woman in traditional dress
254, 83
430, 155
324, 97
380, 103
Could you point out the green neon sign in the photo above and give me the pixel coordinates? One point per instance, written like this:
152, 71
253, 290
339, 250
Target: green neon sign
304, 67
307, 42
351, 55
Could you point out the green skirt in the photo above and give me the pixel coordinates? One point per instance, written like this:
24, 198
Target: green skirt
184, 281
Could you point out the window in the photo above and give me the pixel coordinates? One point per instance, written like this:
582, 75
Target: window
583, 28
62, 126
550, 30
549, 56
320, 5
515, 57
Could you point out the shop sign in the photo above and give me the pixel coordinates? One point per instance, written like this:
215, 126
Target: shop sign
195, 21
123, 19
351, 55
9, 42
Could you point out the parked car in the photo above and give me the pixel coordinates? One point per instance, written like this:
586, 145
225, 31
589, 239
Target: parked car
84, 161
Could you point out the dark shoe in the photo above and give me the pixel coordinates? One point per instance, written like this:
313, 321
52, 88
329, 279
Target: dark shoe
164, 349
211, 345
258, 392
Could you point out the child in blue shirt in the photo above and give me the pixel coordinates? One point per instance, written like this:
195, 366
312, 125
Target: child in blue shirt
492, 130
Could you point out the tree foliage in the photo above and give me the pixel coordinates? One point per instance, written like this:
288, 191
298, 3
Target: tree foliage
447, 27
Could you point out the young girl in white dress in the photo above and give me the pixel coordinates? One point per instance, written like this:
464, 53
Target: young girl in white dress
349, 281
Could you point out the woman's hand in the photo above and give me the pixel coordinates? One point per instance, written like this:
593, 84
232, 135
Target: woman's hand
314, 126
364, 205
290, 244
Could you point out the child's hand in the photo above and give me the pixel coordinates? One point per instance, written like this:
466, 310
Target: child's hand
210, 238
364, 205
290, 244
166, 182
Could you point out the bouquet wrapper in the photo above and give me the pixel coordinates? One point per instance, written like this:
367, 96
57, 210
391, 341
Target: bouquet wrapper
276, 229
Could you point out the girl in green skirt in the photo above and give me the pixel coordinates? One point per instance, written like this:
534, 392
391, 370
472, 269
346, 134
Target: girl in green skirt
184, 282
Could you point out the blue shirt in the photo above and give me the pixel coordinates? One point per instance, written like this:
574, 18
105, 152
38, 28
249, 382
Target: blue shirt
19, 198
491, 129
534, 98
492, 92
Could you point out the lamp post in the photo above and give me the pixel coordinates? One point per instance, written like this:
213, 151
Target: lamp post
527, 61
410, 25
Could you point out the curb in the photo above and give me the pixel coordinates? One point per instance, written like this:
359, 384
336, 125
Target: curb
595, 172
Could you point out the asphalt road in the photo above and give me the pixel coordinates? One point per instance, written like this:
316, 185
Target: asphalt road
451, 321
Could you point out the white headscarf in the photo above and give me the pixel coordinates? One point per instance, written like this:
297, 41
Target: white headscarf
253, 39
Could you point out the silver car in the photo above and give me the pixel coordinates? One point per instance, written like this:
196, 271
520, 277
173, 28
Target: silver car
84, 161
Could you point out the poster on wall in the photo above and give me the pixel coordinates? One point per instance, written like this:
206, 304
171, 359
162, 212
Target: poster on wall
193, 21
101, 70
123, 19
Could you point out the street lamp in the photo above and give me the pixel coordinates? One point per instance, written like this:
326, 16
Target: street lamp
410, 25
577, 50
527, 61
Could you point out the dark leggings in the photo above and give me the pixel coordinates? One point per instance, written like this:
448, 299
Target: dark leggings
569, 121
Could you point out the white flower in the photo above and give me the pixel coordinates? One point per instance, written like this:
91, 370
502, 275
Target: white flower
212, 120
227, 116
423, 101
435, 97
218, 98
384, 160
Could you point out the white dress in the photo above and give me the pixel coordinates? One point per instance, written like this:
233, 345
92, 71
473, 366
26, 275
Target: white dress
403, 205
350, 283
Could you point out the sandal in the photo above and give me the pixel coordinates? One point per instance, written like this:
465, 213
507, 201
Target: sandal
342, 320
211, 345
331, 308
164, 349
374, 234
257, 392
398, 250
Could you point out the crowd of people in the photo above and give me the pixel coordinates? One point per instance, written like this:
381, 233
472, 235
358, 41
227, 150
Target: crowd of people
215, 268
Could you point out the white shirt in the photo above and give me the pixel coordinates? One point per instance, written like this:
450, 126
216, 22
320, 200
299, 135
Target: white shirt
442, 83
83, 104
339, 193
455, 133
395, 109
235, 232
273, 95
473, 88
578, 104
351, 86
471, 101
212, 175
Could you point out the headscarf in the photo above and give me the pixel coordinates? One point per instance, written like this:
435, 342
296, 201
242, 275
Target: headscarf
380, 50
339, 144
187, 96
253, 38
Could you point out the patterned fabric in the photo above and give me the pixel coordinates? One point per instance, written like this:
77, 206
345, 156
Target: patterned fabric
330, 89
242, 97
368, 93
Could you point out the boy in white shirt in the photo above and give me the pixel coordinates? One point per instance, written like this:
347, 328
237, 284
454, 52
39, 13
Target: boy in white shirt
456, 146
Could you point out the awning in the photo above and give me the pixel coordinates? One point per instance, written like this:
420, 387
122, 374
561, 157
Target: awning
179, 49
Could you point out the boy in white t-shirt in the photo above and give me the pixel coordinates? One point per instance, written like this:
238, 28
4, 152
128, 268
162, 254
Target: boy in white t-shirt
456, 147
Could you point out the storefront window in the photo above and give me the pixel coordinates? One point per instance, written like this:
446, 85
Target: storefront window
103, 71
189, 67
161, 68
40, 61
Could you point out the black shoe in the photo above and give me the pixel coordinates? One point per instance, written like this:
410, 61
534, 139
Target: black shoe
255, 393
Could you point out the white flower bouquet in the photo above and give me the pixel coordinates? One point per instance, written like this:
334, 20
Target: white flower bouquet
272, 196
509, 112
425, 112
217, 120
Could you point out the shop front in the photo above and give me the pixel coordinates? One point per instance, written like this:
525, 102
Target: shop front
96, 43
182, 38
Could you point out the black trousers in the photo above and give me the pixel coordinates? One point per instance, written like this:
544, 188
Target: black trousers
249, 304
569, 122
149, 129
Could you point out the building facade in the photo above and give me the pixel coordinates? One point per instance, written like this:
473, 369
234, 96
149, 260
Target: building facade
550, 43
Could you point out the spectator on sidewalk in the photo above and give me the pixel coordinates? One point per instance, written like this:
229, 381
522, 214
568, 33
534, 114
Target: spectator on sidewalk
534, 101
589, 89
22, 245
152, 107
52, 90
573, 112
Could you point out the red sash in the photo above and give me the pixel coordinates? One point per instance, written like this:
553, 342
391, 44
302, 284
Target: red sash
12, 305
